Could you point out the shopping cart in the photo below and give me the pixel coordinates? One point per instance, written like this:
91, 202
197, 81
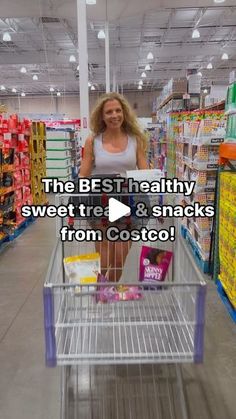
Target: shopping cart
123, 359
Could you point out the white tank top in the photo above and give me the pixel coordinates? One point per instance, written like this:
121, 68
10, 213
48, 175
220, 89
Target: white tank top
106, 162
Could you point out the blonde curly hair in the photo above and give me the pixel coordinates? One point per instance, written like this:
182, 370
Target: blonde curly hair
130, 124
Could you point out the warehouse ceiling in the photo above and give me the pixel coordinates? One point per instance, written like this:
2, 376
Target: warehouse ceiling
44, 35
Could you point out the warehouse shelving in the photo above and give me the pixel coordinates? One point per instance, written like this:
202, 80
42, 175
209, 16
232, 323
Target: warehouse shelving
22, 166
59, 143
197, 153
225, 229
38, 162
158, 147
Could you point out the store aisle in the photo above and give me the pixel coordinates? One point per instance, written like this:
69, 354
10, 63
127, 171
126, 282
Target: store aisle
29, 390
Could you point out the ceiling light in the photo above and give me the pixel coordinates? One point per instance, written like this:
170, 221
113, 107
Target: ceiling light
51, 89
72, 59
150, 56
77, 68
148, 67
144, 74
91, 2
13, 90
23, 70
35, 77
205, 91
140, 87
199, 74
23, 94
6, 37
225, 56
219, 1
89, 84
2, 88
58, 93
140, 82
93, 88
209, 66
101, 34
195, 34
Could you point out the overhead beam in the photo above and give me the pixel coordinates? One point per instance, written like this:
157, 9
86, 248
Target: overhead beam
123, 55
67, 9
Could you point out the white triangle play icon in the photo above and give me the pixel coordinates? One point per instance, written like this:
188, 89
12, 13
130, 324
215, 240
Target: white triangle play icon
117, 210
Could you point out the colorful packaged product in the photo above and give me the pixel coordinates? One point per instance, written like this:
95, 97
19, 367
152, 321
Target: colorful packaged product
81, 269
109, 294
154, 264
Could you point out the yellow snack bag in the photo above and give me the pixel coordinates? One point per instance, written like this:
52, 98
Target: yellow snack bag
81, 269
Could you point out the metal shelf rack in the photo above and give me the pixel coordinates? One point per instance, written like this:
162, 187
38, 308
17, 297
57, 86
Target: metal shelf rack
227, 162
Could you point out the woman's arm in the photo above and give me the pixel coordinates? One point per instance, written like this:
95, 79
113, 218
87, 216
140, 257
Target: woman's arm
87, 160
141, 158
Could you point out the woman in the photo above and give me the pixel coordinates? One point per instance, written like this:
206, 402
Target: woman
116, 145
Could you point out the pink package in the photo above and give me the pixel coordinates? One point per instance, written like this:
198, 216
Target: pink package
26, 176
18, 180
25, 160
154, 264
26, 192
16, 162
18, 195
121, 292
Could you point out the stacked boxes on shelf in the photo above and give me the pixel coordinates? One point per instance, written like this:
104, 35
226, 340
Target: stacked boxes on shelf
175, 88
58, 162
75, 152
38, 162
15, 175
227, 236
158, 147
200, 138
173, 127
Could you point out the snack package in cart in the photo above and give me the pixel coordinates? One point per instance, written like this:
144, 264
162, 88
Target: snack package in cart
81, 268
111, 294
154, 264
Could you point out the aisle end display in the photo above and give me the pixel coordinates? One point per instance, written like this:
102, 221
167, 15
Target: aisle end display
19, 146
225, 233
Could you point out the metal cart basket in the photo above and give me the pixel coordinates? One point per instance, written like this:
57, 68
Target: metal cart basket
121, 359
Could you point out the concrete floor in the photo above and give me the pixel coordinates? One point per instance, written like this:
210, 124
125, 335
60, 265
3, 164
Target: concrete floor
29, 390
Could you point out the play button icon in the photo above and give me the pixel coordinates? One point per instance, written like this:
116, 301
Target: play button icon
117, 210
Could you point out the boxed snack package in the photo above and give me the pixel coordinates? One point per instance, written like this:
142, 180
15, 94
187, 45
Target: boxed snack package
154, 264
